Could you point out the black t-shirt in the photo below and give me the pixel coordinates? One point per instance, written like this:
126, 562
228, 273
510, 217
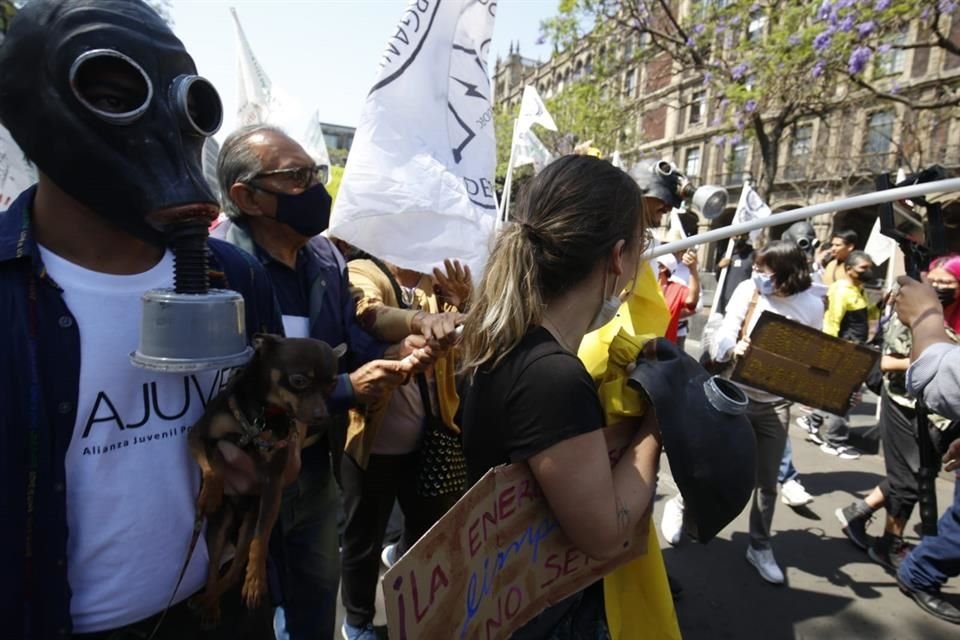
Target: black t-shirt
538, 396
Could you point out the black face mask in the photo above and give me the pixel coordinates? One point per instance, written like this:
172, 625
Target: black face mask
307, 213
123, 158
947, 296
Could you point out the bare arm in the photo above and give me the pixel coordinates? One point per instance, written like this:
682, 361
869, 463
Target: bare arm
597, 507
889, 363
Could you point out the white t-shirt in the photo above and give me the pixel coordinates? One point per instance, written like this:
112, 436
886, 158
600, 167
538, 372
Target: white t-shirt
131, 482
804, 307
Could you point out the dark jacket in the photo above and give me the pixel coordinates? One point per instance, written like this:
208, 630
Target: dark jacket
39, 386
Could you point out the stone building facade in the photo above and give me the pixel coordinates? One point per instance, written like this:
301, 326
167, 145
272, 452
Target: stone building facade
672, 115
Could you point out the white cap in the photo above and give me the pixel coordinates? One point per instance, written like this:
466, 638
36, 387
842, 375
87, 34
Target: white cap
668, 261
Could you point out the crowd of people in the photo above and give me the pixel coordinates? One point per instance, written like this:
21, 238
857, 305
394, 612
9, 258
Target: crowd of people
444, 371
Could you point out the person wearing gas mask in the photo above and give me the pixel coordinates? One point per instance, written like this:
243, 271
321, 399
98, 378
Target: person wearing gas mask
780, 284
849, 316
99, 485
276, 207
805, 237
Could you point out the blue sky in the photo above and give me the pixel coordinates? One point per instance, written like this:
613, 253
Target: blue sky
321, 54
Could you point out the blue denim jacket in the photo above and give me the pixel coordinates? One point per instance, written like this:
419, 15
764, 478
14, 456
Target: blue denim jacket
39, 384
333, 317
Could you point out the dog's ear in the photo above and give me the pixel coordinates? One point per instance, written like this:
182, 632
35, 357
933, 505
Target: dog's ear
262, 341
340, 350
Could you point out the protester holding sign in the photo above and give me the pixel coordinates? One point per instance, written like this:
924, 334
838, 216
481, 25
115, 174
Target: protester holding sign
781, 284
579, 230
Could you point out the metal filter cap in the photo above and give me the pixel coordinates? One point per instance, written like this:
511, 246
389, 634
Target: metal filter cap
186, 332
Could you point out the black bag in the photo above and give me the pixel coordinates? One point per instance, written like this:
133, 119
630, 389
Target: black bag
443, 467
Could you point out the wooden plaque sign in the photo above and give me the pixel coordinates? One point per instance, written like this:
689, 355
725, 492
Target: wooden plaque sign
803, 364
494, 561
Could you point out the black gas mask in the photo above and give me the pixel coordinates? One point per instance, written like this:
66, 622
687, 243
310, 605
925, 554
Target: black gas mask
106, 101
803, 235
663, 180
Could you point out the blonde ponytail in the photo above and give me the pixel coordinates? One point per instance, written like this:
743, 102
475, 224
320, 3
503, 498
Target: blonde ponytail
507, 303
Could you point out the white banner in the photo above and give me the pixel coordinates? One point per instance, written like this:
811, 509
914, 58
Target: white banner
533, 111
253, 84
751, 207
531, 151
418, 186
15, 173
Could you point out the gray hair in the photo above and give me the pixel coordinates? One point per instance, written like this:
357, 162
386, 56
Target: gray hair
238, 163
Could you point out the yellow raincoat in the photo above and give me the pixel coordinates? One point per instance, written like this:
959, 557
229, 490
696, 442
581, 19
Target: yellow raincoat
637, 596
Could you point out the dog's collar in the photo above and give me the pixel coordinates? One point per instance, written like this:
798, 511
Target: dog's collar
252, 430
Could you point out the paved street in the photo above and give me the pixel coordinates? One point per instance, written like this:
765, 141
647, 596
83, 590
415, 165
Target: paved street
834, 591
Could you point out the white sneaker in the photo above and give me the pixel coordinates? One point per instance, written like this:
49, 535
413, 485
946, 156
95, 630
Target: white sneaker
671, 524
765, 564
793, 494
389, 555
842, 451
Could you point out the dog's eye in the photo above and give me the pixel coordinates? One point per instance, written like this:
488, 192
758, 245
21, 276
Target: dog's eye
299, 381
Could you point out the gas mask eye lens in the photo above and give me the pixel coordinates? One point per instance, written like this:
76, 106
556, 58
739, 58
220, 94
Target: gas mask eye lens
198, 105
111, 85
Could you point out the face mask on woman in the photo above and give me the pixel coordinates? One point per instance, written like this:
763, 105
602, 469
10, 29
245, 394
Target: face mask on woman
947, 296
764, 283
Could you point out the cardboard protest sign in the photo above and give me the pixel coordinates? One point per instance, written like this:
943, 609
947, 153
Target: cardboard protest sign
803, 364
495, 560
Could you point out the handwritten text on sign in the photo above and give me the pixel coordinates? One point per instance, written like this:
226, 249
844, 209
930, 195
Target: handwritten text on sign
494, 561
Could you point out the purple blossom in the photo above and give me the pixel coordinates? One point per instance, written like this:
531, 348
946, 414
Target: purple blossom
925, 13
794, 39
707, 77
881, 5
947, 6
719, 140
739, 71
818, 69
884, 48
735, 20
740, 124
736, 139
755, 7
750, 105
858, 59
895, 88
824, 11
865, 28
822, 41
846, 25
691, 42
699, 28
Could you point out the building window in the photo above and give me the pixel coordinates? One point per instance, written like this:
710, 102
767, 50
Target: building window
738, 163
630, 83
893, 62
755, 29
698, 103
879, 133
800, 147
691, 163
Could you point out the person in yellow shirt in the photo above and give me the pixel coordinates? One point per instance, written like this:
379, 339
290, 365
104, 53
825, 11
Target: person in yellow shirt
849, 316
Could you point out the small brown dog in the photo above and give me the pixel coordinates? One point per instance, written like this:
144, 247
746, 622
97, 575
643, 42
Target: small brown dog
265, 411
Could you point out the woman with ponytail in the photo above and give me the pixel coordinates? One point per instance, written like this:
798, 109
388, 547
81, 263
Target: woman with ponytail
556, 273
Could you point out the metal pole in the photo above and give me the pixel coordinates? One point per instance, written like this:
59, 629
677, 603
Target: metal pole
508, 181
864, 200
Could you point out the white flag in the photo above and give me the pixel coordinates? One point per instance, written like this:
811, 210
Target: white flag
16, 174
751, 207
533, 111
418, 185
316, 145
253, 88
880, 247
531, 151
617, 161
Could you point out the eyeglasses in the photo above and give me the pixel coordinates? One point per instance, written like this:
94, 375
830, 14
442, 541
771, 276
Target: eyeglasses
299, 177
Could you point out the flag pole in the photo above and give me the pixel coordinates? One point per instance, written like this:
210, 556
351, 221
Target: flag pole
844, 204
508, 181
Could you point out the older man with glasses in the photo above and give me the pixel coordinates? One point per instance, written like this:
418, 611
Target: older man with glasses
276, 206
